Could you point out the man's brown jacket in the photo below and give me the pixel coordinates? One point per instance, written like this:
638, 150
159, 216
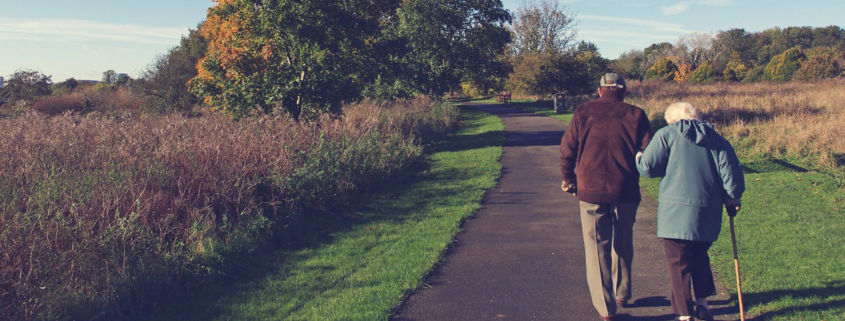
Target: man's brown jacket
598, 149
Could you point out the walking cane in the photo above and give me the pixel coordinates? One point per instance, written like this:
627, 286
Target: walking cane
731, 213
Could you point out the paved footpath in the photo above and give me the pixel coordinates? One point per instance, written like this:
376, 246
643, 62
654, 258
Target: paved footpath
521, 257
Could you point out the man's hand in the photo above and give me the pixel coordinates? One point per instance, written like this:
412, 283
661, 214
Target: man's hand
733, 205
639, 155
568, 188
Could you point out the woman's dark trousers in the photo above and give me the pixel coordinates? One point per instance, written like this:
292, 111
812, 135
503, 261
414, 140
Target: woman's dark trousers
689, 264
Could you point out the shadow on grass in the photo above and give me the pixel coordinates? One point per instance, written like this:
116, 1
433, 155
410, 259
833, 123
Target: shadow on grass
520, 107
770, 166
547, 107
831, 289
513, 138
790, 166
469, 142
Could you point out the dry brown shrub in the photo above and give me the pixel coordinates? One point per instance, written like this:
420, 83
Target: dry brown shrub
119, 99
55, 105
97, 209
795, 119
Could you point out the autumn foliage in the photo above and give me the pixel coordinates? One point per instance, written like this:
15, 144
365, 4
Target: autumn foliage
800, 53
308, 57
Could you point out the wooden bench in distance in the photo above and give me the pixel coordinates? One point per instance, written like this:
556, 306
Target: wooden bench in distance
504, 97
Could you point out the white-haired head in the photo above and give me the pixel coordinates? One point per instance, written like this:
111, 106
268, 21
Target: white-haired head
681, 110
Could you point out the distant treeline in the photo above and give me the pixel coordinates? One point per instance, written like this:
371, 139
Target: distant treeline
800, 53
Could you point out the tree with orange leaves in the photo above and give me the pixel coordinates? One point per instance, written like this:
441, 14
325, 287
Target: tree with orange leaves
308, 57
682, 74
302, 56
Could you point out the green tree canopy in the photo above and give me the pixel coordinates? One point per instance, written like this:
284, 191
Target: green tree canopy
820, 63
449, 41
782, 67
663, 69
736, 68
311, 56
26, 85
165, 82
109, 77
630, 65
302, 56
734, 41
704, 73
738, 55
545, 61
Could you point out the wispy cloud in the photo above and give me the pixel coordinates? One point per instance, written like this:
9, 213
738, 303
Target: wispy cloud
645, 25
630, 32
89, 50
625, 3
685, 5
63, 30
676, 8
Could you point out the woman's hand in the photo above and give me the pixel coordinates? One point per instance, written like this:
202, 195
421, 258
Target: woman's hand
733, 205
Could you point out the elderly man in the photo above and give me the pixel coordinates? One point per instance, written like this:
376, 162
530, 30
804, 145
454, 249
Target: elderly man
598, 166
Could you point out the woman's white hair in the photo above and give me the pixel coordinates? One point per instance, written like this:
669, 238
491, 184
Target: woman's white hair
681, 110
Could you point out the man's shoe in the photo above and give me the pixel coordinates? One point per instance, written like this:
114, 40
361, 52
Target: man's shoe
610, 318
701, 312
678, 318
622, 303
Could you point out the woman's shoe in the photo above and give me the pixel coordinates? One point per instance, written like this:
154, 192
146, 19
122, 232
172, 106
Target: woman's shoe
701, 312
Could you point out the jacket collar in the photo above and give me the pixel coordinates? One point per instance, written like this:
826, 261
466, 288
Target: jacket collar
610, 99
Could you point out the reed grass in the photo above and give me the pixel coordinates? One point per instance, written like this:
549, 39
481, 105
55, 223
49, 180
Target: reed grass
100, 215
796, 120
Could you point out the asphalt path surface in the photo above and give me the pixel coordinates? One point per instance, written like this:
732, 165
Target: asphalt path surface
521, 257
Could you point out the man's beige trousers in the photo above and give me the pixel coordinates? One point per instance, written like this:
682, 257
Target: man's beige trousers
609, 249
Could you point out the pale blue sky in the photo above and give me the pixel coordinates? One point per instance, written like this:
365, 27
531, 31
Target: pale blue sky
83, 38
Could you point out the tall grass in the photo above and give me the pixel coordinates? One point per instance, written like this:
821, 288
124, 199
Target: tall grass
801, 121
99, 215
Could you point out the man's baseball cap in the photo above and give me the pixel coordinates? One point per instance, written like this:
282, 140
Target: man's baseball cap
612, 80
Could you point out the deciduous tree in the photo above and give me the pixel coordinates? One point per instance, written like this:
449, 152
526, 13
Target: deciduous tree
663, 69
543, 26
736, 68
545, 59
26, 85
165, 82
307, 57
821, 63
704, 73
629, 64
109, 77
449, 41
783, 66
302, 56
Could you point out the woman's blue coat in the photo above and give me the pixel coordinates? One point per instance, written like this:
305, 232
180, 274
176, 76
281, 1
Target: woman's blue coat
700, 170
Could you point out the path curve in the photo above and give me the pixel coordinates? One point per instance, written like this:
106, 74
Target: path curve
521, 257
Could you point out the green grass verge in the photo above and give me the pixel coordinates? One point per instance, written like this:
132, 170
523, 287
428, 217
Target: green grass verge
363, 266
790, 242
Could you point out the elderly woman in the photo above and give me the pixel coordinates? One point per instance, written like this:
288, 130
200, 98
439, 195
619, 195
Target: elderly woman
700, 173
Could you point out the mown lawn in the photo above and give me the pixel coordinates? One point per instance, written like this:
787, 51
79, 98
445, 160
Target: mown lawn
362, 267
790, 242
